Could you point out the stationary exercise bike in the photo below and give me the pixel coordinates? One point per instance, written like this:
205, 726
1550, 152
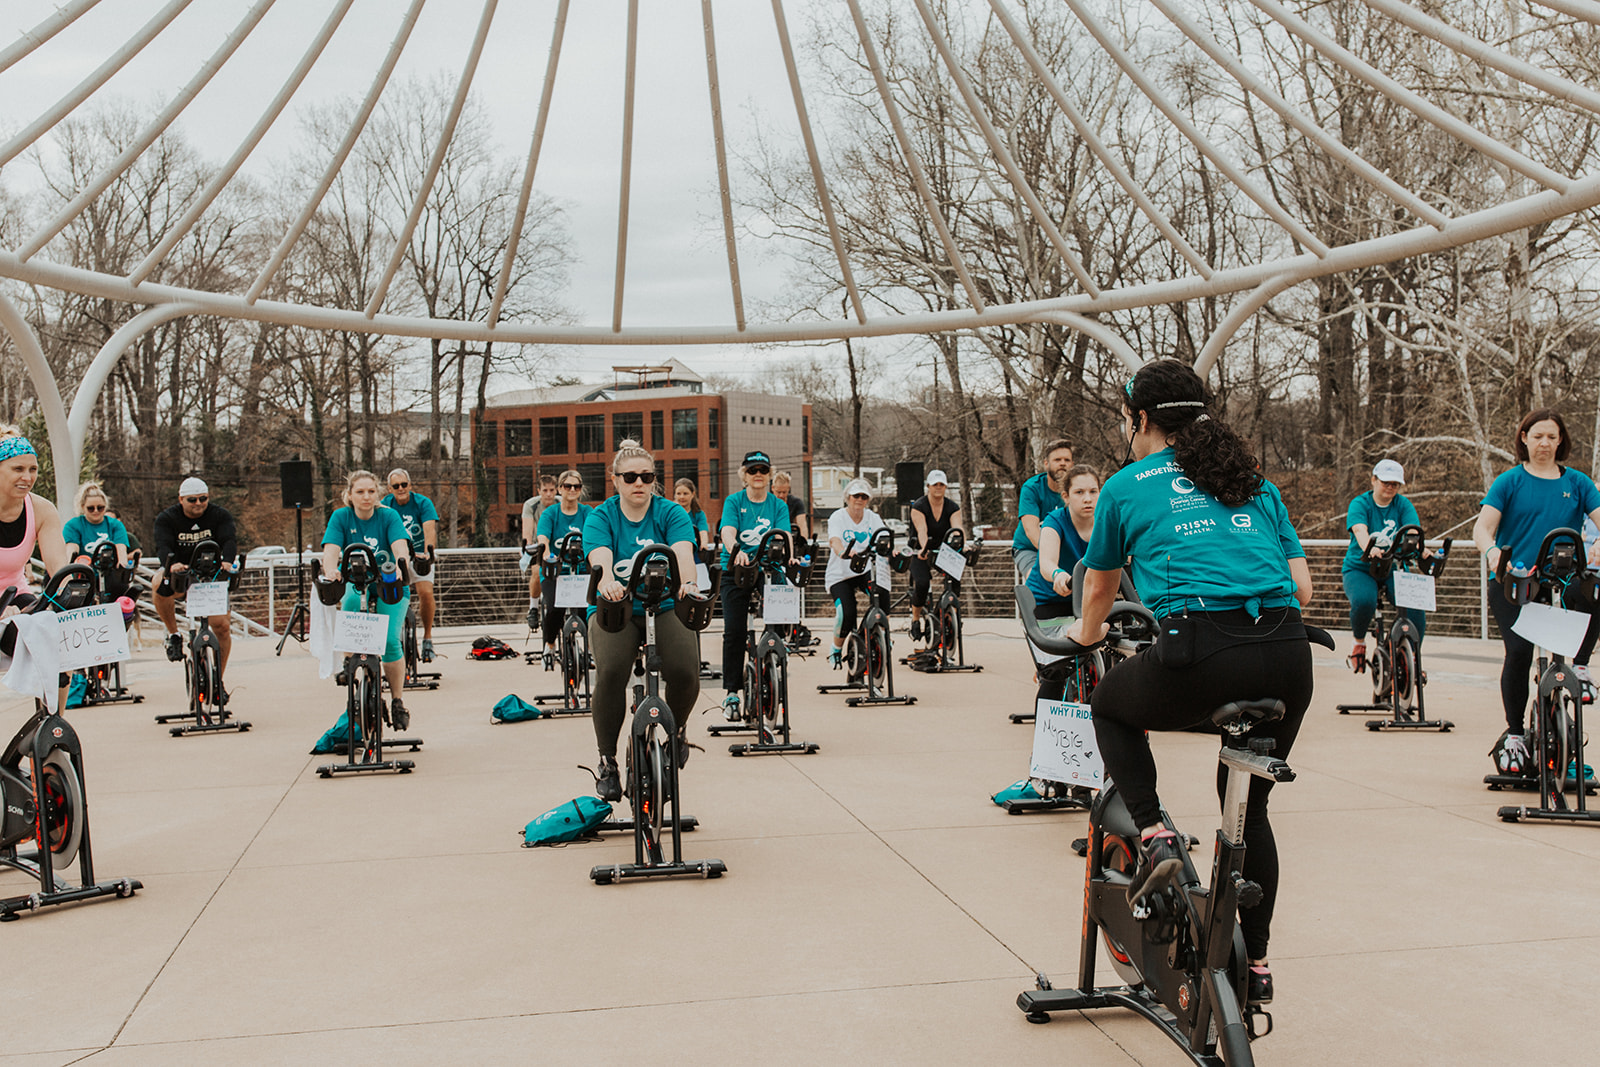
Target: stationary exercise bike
946, 652
42, 796
366, 712
202, 656
416, 677
1558, 698
103, 682
1395, 656
766, 668
1179, 949
652, 772
867, 652
572, 647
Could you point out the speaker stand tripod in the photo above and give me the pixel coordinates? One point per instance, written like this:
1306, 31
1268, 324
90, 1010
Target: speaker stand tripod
301, 614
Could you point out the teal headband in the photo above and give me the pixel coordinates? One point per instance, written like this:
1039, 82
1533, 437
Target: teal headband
15, 445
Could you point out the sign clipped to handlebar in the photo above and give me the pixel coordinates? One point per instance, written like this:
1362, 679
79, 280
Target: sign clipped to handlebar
781, 605
1557, 629
206, 599
702, 577
572, 590
1415, 591
359, 632
91, 636
1064, 745
950, 561
880, 573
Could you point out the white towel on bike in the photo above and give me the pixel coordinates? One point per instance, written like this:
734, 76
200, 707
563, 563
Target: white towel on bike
35, 665
320, 636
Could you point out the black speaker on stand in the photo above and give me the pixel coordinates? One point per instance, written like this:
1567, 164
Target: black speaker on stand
295, 477
907, 483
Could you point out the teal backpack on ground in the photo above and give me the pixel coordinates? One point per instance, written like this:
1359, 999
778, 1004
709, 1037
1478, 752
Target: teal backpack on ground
512, 708
77, 690
570, 821
1019, 790
337, 737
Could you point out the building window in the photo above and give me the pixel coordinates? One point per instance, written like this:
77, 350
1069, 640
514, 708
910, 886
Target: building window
594, 479
657, 424
714, 479
552, 436
714, 428
685, 468
519, 437
519, 484
685, 428
491, 482
488, 438
591, 433
805, 433
626, 426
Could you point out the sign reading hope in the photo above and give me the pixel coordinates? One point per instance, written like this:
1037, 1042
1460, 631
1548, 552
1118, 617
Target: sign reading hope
91, 636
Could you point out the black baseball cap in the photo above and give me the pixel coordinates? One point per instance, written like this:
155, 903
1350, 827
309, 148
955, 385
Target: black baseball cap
756, 457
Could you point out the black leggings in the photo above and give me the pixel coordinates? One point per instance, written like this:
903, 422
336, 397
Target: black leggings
550, 623
735, 632
1140, 694
614, 654
1519, 656
844, 600
921, 578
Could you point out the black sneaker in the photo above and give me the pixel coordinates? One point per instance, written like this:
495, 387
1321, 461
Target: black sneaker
174, 647
399, 717
916, 629
1260, 990
222, 696
533, 617
1160, 860
608, 785
683, 749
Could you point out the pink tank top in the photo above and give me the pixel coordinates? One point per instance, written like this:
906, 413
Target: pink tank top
14, 560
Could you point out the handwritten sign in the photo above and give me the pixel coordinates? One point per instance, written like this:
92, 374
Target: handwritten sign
1556, 629
206, 599
951, 562
702, 578
572, 590
1064, 745
91, 636
360, 633
781, 604
1414, 591
880, 573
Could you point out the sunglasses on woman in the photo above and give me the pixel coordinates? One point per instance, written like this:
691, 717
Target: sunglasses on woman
572, 485
94, 507
758, 469
647, 477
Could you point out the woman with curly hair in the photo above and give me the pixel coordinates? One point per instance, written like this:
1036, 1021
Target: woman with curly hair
1209, 541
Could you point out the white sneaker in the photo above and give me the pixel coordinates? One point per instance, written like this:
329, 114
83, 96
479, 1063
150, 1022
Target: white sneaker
1582, 672
730, 707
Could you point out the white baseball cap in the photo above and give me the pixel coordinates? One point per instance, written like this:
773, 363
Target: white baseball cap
936, 477
193, 487
857, 486
1389, 470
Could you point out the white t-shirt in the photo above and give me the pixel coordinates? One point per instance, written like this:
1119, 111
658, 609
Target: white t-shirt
840, 526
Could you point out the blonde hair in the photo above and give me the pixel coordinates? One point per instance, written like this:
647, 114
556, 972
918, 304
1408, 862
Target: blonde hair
353, 477
583, 488
780, 478
630, 449
85, 491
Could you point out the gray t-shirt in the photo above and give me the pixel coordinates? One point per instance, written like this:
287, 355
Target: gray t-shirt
531, 509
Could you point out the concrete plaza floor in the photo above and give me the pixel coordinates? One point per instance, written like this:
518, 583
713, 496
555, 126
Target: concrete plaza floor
878, 908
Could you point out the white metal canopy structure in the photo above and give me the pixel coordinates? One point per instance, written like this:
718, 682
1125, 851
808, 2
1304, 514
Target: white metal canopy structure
1531, 190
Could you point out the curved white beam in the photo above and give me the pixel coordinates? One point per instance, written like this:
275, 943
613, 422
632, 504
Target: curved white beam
1099, 331
1241, 313
44, 384
47, 28
94, 379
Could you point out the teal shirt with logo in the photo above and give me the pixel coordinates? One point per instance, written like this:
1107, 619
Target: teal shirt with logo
1364, 511
555, 524
413, 513
378, 533
751, 521
1188, 549
664, 522
1530, 507
87, 535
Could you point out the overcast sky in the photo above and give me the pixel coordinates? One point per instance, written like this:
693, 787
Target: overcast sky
677, 273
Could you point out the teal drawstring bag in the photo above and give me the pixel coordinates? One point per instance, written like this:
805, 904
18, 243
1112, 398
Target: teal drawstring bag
1022, 789
572, 820
512, 708
77, 690
337, 739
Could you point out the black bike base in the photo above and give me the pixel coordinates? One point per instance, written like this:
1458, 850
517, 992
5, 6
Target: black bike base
394, 766
227, 726
718, 729
843, 687
413, 744
625, 826
423, 681
1498, 782
1345, 709
776, 748
927, 662
11, 908
872, 701
1021, 716
1520, 814
622, 872
1444, 726
1030, 806
549, 699
114, 696
1037, 1004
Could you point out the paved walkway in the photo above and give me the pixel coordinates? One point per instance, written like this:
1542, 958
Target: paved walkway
878, 908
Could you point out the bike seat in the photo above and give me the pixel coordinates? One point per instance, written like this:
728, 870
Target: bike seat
1251, 712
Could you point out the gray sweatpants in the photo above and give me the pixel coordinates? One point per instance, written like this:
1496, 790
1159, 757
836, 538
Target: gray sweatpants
613, 663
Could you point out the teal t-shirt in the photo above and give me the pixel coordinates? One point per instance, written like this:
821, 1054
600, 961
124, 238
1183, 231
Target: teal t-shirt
1364, 511
555, 524
701, 525
664, 522
1531, 507
1072, 549
1190, 550
1035, 498
378, 533
751, 521
413, 513
87, 535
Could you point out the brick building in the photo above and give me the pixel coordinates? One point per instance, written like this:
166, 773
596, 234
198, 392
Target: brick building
693, 433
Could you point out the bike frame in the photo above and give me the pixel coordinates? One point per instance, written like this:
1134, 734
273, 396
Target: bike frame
872, 630
202, 658
576, 693
767, 661
947, 651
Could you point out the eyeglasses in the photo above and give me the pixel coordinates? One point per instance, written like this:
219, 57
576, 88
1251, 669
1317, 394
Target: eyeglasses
94, 507
647, 477
758, 469
572, 485
399, 485
195, 499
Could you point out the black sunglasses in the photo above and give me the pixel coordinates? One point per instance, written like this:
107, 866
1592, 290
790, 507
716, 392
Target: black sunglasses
572, 485
398, 485
647, 477
195, 499
759, 468
94, 507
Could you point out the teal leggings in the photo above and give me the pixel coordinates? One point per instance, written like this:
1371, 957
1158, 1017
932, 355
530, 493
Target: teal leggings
397, 618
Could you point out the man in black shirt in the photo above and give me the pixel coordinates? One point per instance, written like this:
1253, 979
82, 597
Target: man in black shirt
178, 530
799, 514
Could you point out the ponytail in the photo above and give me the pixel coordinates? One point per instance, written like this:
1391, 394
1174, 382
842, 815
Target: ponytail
1175, 400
